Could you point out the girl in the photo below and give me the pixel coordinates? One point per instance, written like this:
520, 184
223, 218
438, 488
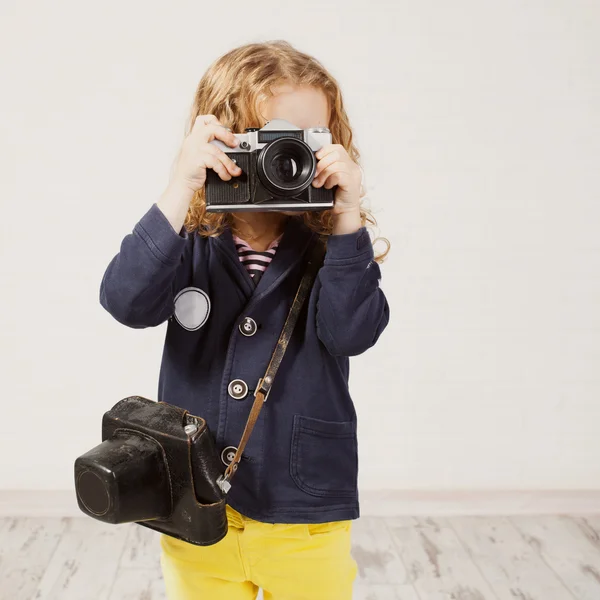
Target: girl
225, 283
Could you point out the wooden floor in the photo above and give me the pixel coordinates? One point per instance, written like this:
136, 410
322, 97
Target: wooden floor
458, 558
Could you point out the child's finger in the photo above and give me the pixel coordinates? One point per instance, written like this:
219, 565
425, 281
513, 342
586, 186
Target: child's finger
335, 179
212, 160
325, 150
325, 173
213, 131
226, 136
225, 159
325, 162
202, 120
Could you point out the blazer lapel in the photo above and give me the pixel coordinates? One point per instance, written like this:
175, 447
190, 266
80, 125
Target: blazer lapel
292, 247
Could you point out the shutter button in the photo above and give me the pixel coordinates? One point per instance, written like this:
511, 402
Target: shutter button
228, 455
238, 389
248, 326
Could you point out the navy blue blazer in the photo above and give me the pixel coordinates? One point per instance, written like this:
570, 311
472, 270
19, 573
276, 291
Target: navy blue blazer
301, 463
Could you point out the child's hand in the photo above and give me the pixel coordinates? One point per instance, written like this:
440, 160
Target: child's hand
335, 167
197, 154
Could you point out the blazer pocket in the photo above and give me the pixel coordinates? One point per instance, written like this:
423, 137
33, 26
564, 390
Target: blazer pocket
324, 457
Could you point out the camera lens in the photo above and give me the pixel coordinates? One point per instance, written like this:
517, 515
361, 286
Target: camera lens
286, 166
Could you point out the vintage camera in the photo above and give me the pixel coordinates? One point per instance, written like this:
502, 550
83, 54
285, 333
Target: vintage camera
278, 166
156, 466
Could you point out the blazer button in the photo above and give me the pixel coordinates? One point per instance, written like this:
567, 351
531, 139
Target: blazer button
238, 389
228, 454
248, 326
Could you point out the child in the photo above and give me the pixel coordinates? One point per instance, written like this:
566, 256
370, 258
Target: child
225, 283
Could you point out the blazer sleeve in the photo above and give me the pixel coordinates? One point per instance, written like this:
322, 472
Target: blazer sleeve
352, 310
137, 288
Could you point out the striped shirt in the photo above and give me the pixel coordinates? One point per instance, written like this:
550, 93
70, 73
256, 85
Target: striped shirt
255, 262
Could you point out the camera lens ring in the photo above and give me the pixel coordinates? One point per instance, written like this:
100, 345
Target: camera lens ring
297, 150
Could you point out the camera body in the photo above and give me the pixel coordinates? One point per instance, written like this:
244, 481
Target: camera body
156, 466
278, 166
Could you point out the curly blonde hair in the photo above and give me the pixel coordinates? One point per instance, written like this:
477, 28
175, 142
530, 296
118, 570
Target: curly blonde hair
233, 88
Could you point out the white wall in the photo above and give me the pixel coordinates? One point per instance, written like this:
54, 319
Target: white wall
479, 125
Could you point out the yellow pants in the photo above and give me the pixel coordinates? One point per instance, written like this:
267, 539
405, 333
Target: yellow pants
288, 561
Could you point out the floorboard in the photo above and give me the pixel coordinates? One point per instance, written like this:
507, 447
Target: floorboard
399, 558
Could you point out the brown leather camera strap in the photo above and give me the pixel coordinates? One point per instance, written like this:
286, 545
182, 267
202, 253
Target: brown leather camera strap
265, 383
